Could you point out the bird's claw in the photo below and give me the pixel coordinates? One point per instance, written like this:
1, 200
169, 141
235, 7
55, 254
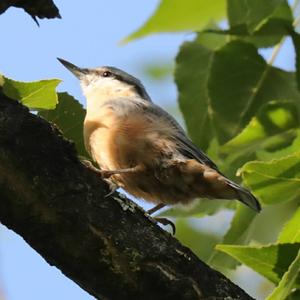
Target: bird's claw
165, 222
112, 187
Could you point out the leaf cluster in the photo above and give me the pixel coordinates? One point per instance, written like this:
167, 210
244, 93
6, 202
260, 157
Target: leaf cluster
244, 112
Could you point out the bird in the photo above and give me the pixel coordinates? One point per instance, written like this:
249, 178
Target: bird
141, 148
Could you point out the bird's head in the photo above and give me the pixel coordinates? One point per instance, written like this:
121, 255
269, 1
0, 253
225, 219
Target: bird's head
109, 82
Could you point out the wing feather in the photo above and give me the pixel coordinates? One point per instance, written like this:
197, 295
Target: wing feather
185, 145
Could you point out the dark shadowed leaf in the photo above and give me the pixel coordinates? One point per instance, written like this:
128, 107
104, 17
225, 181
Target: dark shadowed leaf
296, 41
263, 23
191, 75
255, 14
288, 281
222, 88
240, 82
68, 116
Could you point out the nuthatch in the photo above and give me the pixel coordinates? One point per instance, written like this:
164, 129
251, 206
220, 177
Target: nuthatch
142, 149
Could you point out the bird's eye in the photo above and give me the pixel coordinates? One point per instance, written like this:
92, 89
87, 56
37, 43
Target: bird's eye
106, 74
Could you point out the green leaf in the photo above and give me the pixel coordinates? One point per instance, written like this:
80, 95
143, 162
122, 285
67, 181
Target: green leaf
68, 116
221, 87
287, 282
272, 133
291, 140
256, 13
291, 230
274, 28
35, 95
272, 127
177, 15
201, 208
296, 41
274, 25
190, 237
1, 80
274, 181
240, 82
193, 65
237, 234
270, 261
158, 71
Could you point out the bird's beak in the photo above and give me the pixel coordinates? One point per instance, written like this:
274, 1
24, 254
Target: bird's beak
78, 72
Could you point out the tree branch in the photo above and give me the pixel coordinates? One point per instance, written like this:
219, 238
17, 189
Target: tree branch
105, 244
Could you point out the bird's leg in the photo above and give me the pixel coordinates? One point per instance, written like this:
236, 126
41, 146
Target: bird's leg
155, 208
112, 185
162, 221
109, 173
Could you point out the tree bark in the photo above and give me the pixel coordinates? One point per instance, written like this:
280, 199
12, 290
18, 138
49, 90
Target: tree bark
107, 245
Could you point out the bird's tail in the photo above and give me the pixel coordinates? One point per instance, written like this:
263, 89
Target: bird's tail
244, 196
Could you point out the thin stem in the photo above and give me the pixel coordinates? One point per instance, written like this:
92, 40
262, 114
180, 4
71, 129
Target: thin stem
279, 45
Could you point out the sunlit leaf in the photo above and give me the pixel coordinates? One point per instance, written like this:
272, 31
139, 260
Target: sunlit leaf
291, 230
288, 280
291, 140
272, 128
177, 15
274, 181
68, 116
36, 95
270, 261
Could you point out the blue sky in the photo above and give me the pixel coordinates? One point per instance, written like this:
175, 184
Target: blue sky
87, 35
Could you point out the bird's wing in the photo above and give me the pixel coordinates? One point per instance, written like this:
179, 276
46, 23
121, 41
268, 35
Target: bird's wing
185, 145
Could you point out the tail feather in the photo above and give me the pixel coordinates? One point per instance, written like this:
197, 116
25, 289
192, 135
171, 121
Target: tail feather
245, 196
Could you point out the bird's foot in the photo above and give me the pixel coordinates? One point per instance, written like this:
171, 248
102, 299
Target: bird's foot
166, 222
89, 164
112, 187
103, 173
